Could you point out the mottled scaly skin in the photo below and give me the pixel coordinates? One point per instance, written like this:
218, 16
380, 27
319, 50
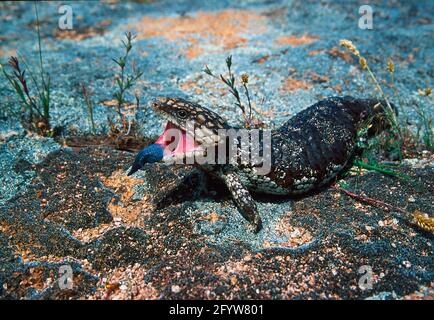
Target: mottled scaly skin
307, 151
311, 148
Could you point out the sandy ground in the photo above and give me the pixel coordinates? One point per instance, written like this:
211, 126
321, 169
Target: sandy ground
171, 232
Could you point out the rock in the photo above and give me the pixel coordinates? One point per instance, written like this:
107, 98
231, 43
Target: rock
176, 289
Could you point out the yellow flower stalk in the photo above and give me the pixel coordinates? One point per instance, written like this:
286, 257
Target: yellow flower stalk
348, 44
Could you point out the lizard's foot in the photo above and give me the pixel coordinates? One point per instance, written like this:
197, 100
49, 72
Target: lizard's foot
243, 200
258, 224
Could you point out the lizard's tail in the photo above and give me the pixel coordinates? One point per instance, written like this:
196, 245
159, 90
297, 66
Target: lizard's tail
373, 112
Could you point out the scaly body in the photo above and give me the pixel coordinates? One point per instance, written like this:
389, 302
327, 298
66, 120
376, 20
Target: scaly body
307, 152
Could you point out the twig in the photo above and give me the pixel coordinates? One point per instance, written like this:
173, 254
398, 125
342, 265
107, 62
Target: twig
416, 218
371, 201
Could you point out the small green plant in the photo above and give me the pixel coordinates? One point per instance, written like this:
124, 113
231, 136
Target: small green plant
380, 168
125, 134
36, 117
230, 81
89, 104
125, 81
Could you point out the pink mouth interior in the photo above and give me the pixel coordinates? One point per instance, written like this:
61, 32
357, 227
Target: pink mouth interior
185, 142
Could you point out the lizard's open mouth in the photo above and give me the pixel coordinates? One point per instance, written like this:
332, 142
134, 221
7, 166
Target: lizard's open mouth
177, 142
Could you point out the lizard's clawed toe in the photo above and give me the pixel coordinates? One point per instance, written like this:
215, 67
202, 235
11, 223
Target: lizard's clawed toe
258, 225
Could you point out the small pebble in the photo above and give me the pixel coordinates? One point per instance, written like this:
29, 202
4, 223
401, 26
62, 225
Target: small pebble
176, 289
296, 233
247, 258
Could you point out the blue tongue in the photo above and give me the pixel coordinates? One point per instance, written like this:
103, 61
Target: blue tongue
150, 154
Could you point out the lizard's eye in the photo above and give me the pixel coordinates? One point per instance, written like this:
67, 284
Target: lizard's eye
182, 114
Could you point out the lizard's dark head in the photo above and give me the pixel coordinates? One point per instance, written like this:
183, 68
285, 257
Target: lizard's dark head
189, 129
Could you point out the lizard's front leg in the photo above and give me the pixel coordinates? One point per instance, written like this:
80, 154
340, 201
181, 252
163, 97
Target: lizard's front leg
244, 201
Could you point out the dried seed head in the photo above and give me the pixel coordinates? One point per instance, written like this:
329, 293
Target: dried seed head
13, 62
425, 92
390, 66
423, 221
363, 63
244, 78
350, 46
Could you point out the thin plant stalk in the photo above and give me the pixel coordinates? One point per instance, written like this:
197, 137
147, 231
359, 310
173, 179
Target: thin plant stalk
45, 98
89, 105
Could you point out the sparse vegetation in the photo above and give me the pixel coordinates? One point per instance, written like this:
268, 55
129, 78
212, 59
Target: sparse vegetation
399, 138
394, 135
123, 132
395, 140
36, 115
230, 82
123, 80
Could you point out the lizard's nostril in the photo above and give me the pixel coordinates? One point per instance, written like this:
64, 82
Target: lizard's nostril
157, 103
160, 102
